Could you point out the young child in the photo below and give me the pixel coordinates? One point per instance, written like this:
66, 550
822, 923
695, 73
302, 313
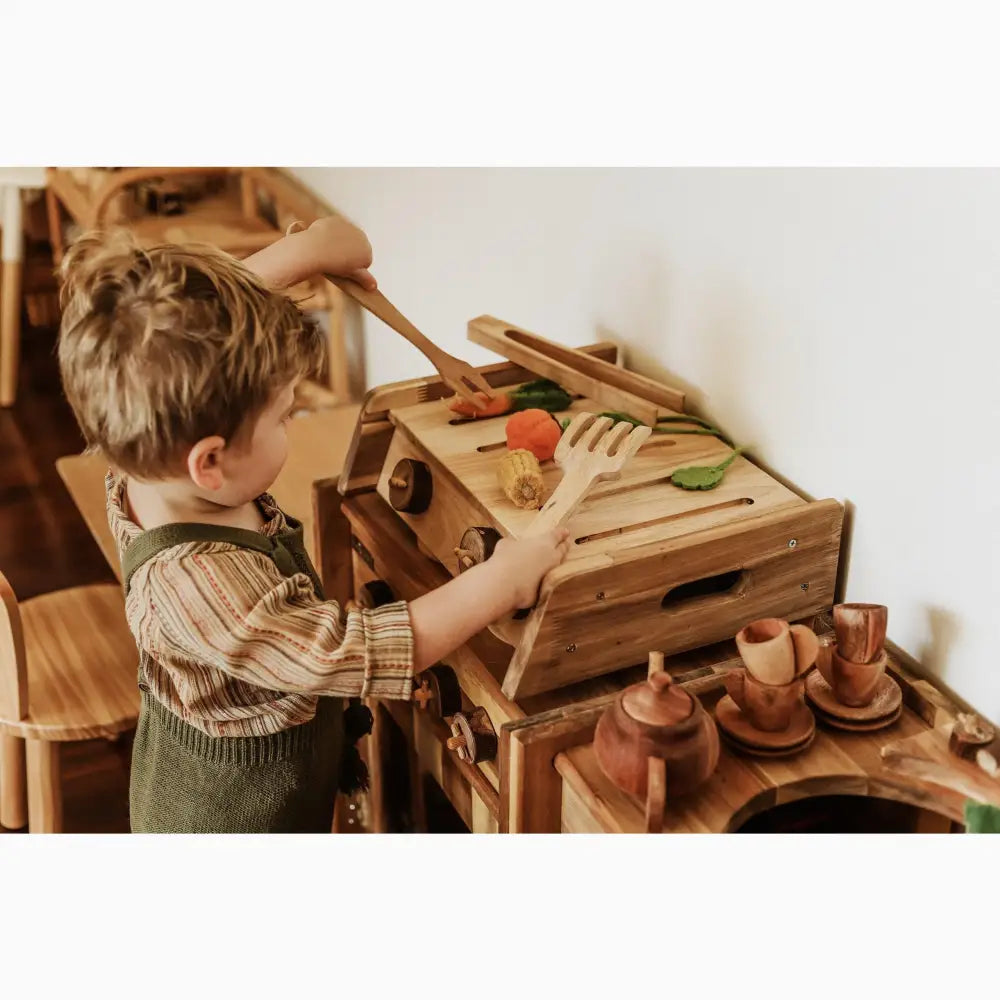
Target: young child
180, 364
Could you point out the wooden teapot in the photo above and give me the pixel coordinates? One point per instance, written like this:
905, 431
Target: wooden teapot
653, 736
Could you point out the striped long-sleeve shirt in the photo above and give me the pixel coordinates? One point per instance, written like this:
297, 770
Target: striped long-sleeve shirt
234, 648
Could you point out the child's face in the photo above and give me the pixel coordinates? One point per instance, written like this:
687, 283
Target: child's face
250, 467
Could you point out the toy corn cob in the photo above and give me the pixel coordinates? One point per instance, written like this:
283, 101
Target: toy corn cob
521, 478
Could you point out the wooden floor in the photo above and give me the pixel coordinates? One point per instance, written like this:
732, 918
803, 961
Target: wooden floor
44, 545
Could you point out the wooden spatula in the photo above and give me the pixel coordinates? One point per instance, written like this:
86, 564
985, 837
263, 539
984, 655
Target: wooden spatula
592, 450
457, 374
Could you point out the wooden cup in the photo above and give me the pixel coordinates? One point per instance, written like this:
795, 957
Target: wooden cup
775, 652
860, 631
853, 684
769, 707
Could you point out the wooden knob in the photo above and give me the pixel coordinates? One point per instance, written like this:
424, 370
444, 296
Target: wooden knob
445, 694
473, 737
476, 546
970, 735
410, 487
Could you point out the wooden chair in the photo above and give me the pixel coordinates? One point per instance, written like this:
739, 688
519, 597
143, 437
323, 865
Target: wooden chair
254, 208
68, 671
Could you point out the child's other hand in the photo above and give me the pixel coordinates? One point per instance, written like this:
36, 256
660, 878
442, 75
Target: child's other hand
525, 561
338, 247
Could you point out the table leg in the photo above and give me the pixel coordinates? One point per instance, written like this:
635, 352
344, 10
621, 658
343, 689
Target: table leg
10, 293
13, 788
45, 812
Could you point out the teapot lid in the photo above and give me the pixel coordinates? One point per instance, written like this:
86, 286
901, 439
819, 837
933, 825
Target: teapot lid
658, 701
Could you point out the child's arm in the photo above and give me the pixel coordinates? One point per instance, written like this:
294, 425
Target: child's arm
234, 611
449, 616
331, 245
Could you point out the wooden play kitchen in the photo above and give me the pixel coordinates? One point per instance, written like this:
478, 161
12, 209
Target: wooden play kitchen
654, 571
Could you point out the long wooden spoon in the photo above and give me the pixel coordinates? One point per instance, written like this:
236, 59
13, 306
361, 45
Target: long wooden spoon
457, 374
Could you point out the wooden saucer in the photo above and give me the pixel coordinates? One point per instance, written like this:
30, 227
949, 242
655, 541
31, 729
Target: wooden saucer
858, 727
750, 751
737, 726
887, 702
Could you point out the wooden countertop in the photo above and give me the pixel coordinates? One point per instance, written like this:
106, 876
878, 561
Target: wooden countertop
837, 763
317, 440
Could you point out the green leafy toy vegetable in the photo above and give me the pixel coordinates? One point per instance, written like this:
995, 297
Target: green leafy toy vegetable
703, 477
618, 417
981, 818
542, 394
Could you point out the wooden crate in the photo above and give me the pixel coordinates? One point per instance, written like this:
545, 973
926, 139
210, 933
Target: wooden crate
655, 566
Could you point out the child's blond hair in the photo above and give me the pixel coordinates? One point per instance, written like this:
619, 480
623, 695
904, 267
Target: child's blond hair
162, 346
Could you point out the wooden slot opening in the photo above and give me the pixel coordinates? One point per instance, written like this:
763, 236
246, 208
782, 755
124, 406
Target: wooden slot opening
709, 586
496, 446
625, 529
476, 420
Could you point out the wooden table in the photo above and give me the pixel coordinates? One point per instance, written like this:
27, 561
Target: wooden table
12, 181
318, 442
837, 763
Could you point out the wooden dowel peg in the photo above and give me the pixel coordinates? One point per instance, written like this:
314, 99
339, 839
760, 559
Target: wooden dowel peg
423, 695
466, 560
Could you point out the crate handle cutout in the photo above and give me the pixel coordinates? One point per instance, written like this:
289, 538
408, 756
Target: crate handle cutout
721, 584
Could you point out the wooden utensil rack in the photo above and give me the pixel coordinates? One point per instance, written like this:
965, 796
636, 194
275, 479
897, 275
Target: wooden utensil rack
653, 567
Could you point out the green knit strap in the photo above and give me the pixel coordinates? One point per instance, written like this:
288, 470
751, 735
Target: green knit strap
285, 548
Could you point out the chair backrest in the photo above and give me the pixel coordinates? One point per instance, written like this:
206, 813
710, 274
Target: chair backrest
13, 662
122, 179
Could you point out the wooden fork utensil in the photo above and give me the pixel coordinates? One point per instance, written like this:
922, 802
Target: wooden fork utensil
457, 374
591, 450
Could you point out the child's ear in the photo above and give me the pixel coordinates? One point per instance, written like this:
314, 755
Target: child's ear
204, 463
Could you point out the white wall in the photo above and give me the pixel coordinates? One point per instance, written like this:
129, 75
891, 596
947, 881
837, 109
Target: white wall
844, 321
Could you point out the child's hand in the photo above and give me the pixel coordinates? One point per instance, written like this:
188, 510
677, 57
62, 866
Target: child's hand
337, 247
444, 618
525, 561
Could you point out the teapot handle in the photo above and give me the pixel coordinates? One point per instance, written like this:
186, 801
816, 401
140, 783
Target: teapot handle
656, 794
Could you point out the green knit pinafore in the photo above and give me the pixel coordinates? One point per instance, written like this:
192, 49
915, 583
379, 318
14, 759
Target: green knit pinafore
184, 781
